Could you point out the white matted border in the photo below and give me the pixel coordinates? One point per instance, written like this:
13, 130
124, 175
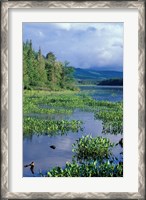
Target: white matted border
128, 16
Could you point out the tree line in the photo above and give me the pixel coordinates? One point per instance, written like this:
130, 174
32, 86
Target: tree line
41, 71
112, 82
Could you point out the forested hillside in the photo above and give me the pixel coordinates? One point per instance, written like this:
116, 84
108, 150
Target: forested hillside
95, 76
41, 71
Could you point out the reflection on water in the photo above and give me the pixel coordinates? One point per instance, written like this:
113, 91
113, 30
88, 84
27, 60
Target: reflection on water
37, 148
104, 93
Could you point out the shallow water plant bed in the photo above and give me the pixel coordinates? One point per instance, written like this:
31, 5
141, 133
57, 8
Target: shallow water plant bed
34, 100
39, 126
87, 148
112, 119
32, 106
92, 169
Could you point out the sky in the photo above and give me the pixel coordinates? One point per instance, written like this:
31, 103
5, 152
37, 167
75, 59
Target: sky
83, 45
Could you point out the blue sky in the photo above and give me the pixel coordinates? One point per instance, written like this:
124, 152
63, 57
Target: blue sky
84, 45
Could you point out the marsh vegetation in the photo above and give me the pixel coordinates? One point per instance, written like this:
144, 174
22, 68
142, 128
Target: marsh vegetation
77, 120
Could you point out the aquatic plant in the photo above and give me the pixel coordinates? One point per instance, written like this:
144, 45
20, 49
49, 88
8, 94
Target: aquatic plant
32, 106
92, 169
49, 102
44, 102
89, 148
50, 127
112, 118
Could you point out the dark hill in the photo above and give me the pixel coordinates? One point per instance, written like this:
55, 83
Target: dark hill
112, 82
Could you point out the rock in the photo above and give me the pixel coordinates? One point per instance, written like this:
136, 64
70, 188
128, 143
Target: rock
53, 147
121, 142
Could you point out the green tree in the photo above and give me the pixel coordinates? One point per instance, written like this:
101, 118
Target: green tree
68, 81
32, 65
50, 60
42, 79
26, 80
54, 70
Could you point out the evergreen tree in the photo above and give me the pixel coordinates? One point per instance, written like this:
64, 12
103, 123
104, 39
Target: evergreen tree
40, 71
50, 68
32, 66
26, 80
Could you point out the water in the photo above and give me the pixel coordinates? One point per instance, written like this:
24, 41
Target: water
37, 148
104, 93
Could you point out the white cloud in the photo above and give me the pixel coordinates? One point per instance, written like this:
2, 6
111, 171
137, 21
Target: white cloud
65, 26
40, 33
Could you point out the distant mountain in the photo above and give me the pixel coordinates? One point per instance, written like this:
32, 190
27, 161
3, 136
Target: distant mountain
94, 75
108, 68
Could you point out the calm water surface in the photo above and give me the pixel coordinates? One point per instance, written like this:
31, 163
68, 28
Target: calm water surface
37, 148
104, 93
